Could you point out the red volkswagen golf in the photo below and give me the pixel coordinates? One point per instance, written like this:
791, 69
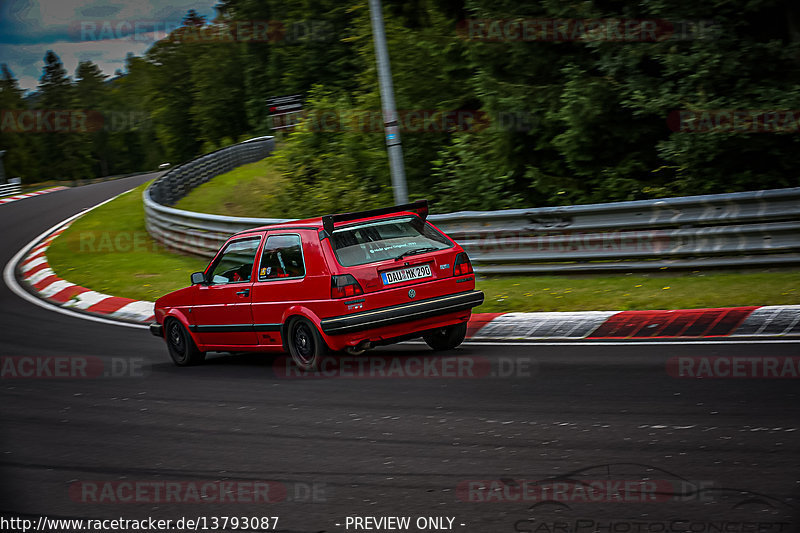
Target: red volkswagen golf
344, 282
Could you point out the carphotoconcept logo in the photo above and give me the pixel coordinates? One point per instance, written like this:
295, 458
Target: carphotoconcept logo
580, 502
584, 524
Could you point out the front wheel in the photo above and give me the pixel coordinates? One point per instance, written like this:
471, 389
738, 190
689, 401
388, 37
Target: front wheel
446, 338
306, 345
181, 347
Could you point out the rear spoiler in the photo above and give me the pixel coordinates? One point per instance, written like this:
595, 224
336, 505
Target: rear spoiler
420, 206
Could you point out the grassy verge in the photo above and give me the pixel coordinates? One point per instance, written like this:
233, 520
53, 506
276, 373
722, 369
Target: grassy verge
624, 292
109, 250
247, 191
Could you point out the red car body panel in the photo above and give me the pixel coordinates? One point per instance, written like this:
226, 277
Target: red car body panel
250, 315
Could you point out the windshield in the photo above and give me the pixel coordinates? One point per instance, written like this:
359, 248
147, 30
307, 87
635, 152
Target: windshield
385, 239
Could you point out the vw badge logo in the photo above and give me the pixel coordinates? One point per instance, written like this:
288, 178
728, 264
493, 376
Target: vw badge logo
412, 293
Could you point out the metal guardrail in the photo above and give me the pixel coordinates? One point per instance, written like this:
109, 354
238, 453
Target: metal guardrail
758, 228
178, 181
9, 189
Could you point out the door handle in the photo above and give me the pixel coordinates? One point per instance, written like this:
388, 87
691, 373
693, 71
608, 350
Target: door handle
245, 292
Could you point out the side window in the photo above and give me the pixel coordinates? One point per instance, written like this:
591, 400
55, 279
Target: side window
236, 262
282, 258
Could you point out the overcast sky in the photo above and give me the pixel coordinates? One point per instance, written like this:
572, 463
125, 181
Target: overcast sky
103, 31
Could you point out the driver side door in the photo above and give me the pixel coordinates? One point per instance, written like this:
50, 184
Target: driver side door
222, 311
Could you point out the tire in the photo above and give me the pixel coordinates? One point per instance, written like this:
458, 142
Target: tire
306, 345
446, 338
181, 347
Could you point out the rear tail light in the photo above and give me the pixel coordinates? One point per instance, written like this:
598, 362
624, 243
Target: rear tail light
462, 265
344, 286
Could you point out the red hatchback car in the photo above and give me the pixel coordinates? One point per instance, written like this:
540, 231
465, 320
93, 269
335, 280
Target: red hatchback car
344, 282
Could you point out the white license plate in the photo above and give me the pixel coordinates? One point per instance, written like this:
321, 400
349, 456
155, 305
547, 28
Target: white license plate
406, 274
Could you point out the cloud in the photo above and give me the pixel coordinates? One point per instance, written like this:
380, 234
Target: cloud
73, 29
110, 55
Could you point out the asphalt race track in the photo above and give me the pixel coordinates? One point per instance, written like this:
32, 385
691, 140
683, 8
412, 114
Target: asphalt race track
662, 454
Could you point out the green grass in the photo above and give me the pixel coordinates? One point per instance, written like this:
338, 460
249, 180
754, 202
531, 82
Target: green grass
639, 291
109, 251
247, 191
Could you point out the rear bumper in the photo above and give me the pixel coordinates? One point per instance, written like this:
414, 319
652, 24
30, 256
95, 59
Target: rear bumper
398, 314
157, 330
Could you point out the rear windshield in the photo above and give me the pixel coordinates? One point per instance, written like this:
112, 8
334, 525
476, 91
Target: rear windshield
385, 239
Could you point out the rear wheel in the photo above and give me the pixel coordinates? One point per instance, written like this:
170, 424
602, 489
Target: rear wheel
181, 347
306, 345
446, 338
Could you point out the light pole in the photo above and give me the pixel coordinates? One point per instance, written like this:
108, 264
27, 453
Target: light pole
390, 126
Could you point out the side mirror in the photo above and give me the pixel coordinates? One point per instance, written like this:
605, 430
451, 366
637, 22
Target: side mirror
198, 277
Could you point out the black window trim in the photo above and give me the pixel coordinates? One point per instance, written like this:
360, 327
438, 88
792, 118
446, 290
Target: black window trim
302, 257
451, 243
221, 254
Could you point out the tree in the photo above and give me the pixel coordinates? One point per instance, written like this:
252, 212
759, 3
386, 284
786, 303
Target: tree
66, 151
91, 93
20, 157
171, 97
192, 18
218, 95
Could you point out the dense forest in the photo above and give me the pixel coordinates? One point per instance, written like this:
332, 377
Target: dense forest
558, 117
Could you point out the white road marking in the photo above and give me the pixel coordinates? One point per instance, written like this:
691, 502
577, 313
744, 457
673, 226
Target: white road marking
11, 281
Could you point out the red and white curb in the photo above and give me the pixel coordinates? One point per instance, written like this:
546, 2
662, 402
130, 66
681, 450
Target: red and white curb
8, 199
753, 321
765, 321
36, 272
